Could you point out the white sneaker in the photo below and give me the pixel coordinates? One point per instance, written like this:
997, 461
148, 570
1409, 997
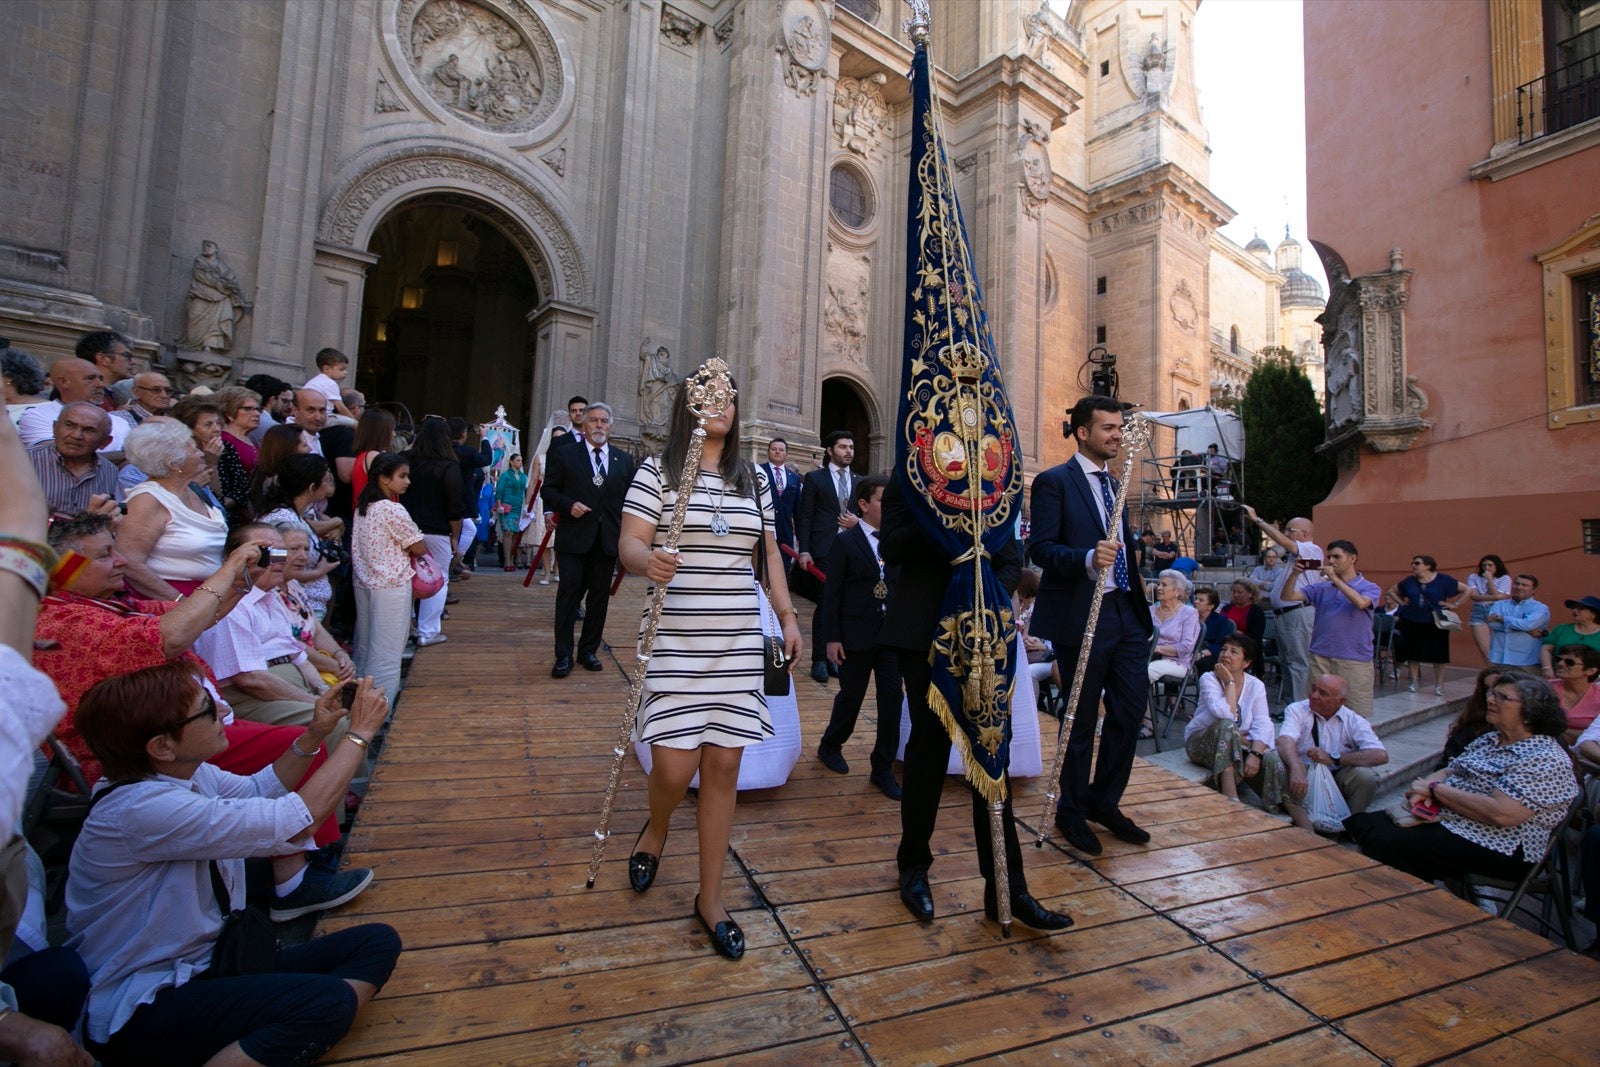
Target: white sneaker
436, 639
1412, 688
1438, 690
544, 581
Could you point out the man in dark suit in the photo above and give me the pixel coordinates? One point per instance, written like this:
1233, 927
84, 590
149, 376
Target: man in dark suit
853, 602
577, 411
1077, 547
824, 496
586, 485
785, 483
909, 625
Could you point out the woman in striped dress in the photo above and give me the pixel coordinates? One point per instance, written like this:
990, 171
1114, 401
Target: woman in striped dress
702, 700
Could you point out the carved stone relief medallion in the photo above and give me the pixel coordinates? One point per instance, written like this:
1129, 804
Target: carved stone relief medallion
1185, 312
806, 40
491, 66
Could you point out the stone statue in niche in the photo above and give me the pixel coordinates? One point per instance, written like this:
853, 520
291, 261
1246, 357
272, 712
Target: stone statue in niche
1343, 370
475, 63
860, 114
655, 387
214, 303
1155, 68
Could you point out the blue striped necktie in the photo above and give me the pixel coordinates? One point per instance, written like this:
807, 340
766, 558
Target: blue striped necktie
1119, 569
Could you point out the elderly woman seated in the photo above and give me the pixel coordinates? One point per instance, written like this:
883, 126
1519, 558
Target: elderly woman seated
172, 537
90, 629
159, 869
1231, 733
1492, 811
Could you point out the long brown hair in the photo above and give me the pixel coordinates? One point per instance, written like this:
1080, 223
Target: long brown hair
738, 474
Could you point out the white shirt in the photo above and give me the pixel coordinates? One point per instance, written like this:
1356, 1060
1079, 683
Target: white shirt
258, 629
140, 907
32, 709
38, 423
327, 387
1345, 731
190, 547
1254, 719
1302, 550
1092, 473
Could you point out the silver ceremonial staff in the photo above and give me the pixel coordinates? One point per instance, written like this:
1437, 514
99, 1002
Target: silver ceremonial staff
708, 392
1135, 436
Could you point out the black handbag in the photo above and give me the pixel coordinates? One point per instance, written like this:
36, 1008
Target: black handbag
248, 943
774, 654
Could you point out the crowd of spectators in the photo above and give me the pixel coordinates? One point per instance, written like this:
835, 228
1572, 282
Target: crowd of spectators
223, 584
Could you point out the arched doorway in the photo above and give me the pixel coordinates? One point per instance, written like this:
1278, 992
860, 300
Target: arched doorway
844, 408
444, 315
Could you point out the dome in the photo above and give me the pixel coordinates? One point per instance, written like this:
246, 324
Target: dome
1301, 290
1258, 247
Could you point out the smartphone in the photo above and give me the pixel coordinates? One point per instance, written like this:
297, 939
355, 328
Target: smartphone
1310, 564
268, 556
347, 697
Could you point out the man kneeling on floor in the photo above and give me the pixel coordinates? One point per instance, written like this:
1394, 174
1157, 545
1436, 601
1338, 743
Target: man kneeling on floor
1323, 730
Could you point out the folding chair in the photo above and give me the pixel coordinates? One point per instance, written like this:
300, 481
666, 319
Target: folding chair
52, 816
1383, 637
1550, 878
1170, 694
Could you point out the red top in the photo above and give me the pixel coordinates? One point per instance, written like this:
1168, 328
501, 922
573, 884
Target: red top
358, 476
247, 451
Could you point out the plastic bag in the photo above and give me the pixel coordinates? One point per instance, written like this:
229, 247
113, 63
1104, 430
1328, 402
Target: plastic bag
1324, 803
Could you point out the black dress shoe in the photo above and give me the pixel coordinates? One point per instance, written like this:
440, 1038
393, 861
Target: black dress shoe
915, 894
1077, 833
819, 672
642, 865
591, 662
726, 937
832, 759
1029, 912
1121, 827
562, 668
884, 780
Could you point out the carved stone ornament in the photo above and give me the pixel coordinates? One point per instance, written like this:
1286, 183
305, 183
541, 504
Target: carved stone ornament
202, 369
490, 65
807, 38
678, 28
860, 114
482, 183
556, 159
1370, 397
844, 309
1036, 172
1040, 29
214, 302
656, 382
724, 30
384, 99
1185, 312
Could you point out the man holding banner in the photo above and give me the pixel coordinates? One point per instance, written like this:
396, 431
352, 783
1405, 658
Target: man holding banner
949, 523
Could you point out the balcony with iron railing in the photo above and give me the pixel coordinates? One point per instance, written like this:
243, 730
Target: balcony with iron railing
1566, 96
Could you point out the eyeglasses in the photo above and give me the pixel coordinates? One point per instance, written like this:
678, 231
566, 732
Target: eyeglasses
208, 709
1568, 661
1416, 563
1499, 698
159, 390
249, 407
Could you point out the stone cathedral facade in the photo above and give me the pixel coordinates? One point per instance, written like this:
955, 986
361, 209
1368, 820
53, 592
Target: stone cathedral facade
510, 201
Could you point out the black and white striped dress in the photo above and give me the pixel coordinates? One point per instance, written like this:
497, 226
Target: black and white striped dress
703, 686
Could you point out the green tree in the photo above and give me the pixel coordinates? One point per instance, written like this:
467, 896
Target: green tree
1284, 473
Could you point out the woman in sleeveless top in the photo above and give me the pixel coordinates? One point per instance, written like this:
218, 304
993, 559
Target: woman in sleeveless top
171, 538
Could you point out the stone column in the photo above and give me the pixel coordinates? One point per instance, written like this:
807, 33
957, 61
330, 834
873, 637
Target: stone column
563, 338
334, 304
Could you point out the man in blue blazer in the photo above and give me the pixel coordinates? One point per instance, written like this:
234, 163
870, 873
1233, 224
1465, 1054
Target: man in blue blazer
785, 483
1076, 547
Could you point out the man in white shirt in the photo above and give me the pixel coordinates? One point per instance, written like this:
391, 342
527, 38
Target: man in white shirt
76, 380
311, 415
1295, 618
1321, 729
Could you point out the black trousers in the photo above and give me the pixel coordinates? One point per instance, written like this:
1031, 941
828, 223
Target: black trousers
586, 576
1116, 669
927, 757
859, 667
1429, 851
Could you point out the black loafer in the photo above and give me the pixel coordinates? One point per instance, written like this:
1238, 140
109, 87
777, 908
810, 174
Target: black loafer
916, 896
1121, 827
562, 668
591, 662
1029, 912
1077, 833
642, 865
726, 937
884, 780
819, 672
833, 759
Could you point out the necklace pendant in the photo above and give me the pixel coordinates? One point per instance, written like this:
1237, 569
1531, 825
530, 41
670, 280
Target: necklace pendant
719, 525
599, 479
881, 590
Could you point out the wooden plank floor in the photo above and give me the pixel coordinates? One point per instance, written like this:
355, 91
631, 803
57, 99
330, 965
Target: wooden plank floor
1230, 938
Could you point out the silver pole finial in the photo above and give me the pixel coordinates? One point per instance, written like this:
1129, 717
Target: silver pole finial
916, 26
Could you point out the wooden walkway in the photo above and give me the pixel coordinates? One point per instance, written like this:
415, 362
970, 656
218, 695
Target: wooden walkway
1232, 937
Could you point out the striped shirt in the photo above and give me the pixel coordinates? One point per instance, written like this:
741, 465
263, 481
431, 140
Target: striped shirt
66, 492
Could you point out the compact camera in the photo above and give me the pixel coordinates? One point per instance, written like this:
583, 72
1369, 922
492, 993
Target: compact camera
270, 555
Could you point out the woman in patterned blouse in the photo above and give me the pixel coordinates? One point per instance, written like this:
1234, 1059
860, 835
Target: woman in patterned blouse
1498, 802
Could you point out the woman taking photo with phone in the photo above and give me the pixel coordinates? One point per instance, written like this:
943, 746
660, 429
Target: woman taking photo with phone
702, 701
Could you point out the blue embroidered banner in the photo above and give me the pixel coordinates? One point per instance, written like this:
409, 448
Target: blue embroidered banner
956, 455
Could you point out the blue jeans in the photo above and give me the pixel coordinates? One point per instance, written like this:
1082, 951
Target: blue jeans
289, 1016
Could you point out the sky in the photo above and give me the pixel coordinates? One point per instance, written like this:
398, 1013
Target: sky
1250, 68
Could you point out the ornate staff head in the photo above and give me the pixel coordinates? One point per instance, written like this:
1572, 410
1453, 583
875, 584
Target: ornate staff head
916, 26
708, 392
